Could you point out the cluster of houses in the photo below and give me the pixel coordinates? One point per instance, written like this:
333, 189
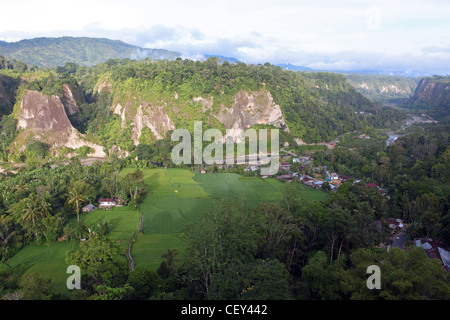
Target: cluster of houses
317, 181
434, 250
332, 178
104, 203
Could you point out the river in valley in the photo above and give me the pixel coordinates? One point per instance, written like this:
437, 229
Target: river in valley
393, 136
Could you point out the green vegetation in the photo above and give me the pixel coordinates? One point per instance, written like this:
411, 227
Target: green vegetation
432, 96
229, 233
176, 197
311, 102
53, 52
316, 107
384, 89
415, 170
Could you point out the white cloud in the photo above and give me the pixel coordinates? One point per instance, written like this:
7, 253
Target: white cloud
329, 33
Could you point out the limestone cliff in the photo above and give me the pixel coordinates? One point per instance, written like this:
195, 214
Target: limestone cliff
42, 113
246, 110
44, 118
250, 108
146, 115
432, 92
383, 88
69, 100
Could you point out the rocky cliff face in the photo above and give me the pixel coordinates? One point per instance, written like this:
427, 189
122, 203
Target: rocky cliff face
247, 109
250, 108
432, 93
44, 118
383, 88
42, 113
69, 100
147, 115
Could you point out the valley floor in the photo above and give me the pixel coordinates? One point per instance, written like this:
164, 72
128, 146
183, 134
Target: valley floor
174, 198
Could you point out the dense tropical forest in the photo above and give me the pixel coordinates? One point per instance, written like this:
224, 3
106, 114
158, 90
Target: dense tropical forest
292, 246
316, 107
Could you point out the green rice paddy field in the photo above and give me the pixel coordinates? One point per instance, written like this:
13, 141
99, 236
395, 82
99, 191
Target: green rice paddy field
174, 198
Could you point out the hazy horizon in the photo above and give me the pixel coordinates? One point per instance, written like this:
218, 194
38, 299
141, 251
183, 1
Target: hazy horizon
407, 36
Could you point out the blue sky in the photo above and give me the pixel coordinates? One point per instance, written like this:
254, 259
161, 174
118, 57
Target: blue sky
351, 35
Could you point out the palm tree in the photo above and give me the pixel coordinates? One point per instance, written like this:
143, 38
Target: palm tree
43, 205
76, 198
35, 208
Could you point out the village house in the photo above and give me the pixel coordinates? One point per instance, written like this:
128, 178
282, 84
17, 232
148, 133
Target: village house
285, 166
371, 185
308, 181
106, 203
382, 191
434, 250
336, 183
332, 176
318, 183
344, 177
285, 177
109, 202
90, 207
394, 224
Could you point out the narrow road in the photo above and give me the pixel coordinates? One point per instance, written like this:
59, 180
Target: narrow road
129, 252
141, 228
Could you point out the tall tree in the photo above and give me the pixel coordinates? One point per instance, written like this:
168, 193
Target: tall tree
35, 208
222, 237
96, 256
77, 195
276, 227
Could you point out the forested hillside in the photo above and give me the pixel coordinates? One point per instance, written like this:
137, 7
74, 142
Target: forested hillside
384, 89
311, 103
52, 52
432, 96
159, 96
215, 233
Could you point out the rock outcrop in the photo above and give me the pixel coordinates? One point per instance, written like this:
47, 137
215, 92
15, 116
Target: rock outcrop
383, 88
432, 93
69, 100
146, 115
248, 109
104, 85
42, 113
44, 118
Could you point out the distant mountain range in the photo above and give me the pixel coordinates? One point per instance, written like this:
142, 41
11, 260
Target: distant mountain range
229, 59
85, 51
293, 67
52, 52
